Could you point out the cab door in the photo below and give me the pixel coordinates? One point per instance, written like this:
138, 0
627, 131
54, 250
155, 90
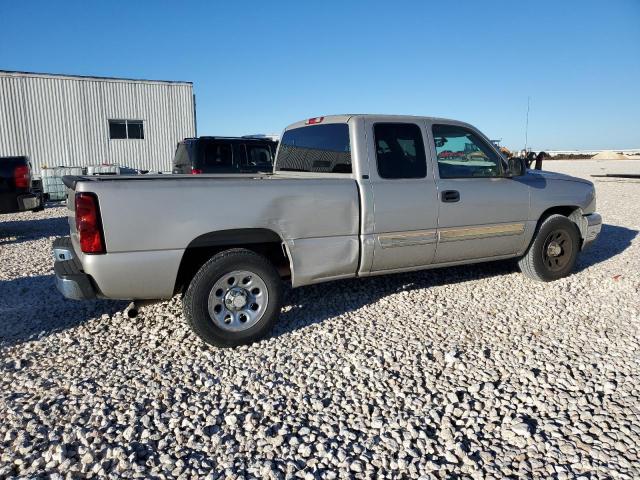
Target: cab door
482, 213
404, 194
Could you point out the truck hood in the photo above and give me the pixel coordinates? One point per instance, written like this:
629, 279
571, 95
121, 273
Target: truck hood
547, 175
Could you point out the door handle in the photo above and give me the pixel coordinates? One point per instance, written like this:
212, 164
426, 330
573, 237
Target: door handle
450, 196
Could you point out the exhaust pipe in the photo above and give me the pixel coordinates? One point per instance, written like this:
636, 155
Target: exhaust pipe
133, 309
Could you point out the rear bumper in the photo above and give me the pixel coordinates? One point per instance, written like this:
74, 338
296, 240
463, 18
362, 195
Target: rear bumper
30, 201
71, 281
13, 203
594, 225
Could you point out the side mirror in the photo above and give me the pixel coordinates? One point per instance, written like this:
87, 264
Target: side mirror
516, 167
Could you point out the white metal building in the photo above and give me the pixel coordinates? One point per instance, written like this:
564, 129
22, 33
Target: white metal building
63, 120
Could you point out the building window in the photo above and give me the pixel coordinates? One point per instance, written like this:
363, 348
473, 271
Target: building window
121, 129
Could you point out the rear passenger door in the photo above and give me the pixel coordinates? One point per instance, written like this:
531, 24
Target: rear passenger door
404, 193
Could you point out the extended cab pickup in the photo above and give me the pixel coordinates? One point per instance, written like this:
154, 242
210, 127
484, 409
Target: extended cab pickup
350, 196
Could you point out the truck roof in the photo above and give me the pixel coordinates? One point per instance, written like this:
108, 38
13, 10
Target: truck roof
344, 118
229, 139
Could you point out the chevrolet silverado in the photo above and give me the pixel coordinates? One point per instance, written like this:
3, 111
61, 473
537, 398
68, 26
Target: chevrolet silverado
349, 196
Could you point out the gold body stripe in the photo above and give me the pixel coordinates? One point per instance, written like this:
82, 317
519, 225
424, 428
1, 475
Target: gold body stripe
421, 237
451, 234
472, 233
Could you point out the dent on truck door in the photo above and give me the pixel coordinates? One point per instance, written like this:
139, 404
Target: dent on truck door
405, 196
481, 214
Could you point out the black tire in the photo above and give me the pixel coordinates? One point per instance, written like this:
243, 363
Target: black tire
543, 261
197, 299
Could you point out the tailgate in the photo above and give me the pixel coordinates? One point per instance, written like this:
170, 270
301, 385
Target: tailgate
70, 184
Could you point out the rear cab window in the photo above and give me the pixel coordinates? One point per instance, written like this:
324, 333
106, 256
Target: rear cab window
316, 148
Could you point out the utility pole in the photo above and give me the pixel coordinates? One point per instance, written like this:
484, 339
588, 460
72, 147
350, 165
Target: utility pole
526, 127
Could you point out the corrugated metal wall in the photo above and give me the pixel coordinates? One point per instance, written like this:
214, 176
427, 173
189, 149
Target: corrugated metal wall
63, 121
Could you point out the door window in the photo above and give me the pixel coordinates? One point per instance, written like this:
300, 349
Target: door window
462, 154
399, 150
218, 155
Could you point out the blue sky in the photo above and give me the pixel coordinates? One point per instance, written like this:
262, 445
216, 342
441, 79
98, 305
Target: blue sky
258, 66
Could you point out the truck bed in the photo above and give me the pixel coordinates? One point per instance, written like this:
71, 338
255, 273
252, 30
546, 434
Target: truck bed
150, 220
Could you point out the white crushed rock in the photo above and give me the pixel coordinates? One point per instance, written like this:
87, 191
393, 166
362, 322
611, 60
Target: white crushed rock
474, 371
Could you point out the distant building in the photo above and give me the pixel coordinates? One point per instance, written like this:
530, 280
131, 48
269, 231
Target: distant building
64, 120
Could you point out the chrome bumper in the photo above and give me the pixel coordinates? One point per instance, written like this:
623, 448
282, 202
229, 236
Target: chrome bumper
594, 225
71, 281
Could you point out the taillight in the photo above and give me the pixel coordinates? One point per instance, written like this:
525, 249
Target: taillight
88, 223
22, 176
314, 120
196, 171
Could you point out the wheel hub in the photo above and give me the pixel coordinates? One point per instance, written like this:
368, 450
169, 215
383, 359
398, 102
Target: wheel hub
236, 298
554, 249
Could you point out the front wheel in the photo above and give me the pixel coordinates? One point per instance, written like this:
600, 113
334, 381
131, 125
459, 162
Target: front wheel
554, 250
234, 299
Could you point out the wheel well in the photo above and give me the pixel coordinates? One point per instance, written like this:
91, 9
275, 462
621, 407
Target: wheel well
573, 213
565, 210
262, 241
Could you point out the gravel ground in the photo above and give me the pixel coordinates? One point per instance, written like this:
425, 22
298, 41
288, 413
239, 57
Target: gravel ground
473, 371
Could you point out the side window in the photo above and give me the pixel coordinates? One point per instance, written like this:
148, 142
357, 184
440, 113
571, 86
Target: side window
258, 155
462, 154
181, 157
399, 150
218, 155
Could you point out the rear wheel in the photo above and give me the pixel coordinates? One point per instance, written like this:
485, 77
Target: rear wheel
234, 299
554, 250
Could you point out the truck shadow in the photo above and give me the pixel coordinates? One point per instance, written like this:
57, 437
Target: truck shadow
307, 306
612, 241
18, 231
313, 304
32, 308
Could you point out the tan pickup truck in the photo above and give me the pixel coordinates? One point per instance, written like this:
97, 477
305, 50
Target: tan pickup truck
350, 196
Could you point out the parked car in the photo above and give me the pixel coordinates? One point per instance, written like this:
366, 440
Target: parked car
224, 155
18, 191
350, 196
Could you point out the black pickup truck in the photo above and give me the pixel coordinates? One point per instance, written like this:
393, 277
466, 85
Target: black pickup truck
224, 155
18, 191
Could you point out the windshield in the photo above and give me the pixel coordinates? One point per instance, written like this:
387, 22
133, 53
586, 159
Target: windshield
317, 148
